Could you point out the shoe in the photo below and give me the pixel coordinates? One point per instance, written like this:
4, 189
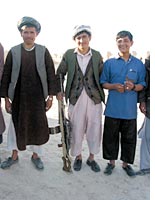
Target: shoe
37, 163
94, 166
7, 163
77, 164
109, 168
143, 172
130, 172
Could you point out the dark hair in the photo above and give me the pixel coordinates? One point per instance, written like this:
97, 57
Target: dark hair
123, 34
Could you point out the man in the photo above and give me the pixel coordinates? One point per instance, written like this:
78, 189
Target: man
2, 124
144, 132
124, 77
83, 66
28, 86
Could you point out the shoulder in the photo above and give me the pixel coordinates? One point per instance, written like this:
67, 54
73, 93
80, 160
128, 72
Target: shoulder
15, 47
111, 60
39, 46
1, 50
95, 52
137, 60
1, 47
69, 52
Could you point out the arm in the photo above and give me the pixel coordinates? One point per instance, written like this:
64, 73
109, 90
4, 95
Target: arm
116, 86
145, 93
6, 79
6, 76
52, 80
1, 60
62, 69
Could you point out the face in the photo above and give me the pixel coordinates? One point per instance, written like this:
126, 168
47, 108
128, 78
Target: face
29, 35
82, 41
124, 44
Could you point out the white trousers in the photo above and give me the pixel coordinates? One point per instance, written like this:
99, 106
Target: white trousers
144, 134
12, 144
86, 118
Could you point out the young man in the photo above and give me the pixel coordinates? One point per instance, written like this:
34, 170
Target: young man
124, 77
28, 86
2, 123
83, 66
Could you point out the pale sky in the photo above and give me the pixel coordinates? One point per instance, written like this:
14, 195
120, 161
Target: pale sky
58, 18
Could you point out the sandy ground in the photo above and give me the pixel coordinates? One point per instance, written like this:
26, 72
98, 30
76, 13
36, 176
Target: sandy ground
23, 182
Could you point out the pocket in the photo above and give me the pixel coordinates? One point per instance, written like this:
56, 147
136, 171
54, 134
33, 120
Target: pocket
132, 75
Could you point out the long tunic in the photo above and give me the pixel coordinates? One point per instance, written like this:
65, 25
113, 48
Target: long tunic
2, 124
28, 106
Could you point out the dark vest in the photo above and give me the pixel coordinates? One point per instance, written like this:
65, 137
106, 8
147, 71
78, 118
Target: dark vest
86, 81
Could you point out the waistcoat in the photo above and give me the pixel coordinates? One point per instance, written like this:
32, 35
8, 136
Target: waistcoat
86, 81
40, 64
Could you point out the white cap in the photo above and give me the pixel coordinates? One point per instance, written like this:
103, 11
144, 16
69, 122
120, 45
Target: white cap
81, 28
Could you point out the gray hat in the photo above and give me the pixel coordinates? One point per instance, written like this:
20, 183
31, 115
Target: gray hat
79, 29
28, 21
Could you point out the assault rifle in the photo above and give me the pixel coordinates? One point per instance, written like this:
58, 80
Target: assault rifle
65, 128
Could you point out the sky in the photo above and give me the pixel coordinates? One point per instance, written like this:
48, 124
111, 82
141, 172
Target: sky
59, 17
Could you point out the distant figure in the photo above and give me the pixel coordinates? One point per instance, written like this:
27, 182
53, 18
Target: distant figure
144, 132
2, 124
124, 77
28, 86
83, 66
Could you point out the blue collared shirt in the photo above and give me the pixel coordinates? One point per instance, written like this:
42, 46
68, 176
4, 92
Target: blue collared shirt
117, 70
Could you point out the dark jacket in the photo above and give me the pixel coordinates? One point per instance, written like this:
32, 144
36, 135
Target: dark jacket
76, 80
144, 95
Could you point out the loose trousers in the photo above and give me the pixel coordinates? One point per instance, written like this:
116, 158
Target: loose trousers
144, 134
86, 119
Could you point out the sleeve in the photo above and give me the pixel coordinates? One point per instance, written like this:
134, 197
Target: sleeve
1, 60
52, 79
142, 95
142, 75
63, 66
104, 78
100, 64
6, 77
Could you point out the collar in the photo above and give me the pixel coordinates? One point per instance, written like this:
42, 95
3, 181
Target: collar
88, 53
117, 56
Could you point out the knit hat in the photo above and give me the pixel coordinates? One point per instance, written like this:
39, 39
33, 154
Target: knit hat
30, 22
80, 29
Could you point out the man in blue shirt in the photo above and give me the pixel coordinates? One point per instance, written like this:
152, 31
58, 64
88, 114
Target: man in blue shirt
124, 77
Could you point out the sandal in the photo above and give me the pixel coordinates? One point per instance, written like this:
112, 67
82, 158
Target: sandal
130, 172
109, 169
7, 163
94, 166
77, 164
143, 172
37, 163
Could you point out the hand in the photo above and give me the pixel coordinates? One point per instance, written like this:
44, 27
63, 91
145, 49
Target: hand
49, 103
60, 96
129, 85
8, 105
142, 107
119, 87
